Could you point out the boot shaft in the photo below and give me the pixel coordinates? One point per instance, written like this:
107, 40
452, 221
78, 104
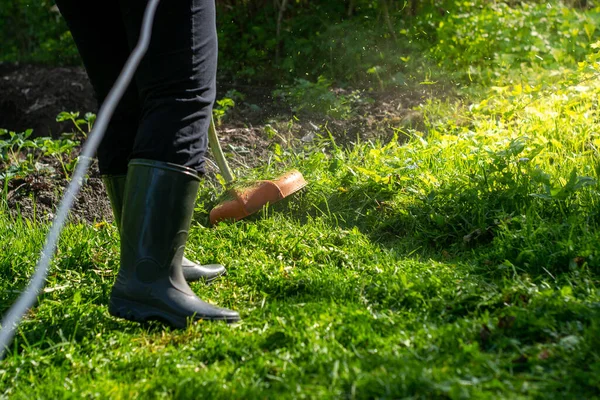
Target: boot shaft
157, 211
192, 271
115, 189
158, 204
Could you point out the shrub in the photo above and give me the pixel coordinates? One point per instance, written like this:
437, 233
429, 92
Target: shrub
494, 37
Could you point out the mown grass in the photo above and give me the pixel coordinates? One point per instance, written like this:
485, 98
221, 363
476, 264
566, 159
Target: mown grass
457, 261
327, 311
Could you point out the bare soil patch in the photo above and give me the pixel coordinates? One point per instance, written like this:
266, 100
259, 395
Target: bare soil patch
32, 96
37, 197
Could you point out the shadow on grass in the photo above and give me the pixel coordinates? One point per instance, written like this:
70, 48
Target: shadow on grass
506, 230
48, 328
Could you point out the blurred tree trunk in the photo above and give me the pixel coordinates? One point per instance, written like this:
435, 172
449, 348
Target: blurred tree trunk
351, 8
281, 7
385, 9
414, 5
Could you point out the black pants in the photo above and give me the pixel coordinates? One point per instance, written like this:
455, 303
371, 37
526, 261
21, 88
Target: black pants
165, 112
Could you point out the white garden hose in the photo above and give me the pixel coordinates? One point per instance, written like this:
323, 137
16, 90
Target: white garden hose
28, 297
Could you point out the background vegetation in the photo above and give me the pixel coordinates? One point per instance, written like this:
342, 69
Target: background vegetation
343, 40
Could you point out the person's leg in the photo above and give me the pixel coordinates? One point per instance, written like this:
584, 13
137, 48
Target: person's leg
192, 271
176, 85
175, 81
102, 41
104, 47
157, 212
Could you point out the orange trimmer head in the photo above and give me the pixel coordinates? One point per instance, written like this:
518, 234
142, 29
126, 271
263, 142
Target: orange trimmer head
247, 201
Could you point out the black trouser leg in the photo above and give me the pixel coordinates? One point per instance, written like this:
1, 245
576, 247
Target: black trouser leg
166, 112
100, 36
176, 80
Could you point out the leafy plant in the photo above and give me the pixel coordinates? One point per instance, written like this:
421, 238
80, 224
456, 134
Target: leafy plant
82, 125
225, 104
316, 98
20, 154
35, 32
62, 151
481, 38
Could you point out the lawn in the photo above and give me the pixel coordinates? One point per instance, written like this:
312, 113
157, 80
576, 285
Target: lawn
458, 260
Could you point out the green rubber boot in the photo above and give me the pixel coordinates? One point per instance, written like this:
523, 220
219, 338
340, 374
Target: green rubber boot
157, 211
115, 188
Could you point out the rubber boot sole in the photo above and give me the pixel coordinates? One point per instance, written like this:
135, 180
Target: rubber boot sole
139, 312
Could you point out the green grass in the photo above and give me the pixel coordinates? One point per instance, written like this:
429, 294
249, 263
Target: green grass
327, 312
458, 261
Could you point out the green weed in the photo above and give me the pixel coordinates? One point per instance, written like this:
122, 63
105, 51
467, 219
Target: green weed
82, 126
226, 103
318, 98
484, 41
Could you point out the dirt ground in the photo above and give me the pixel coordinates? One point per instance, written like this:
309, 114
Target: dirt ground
32, 96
